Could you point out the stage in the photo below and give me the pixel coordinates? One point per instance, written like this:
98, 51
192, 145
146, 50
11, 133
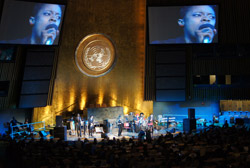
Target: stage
112, 134
69, 135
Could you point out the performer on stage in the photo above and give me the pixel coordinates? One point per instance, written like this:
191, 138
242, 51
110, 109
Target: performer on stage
119, 124
84, 126
72, 126
141, 121
91, 125
28, 128
151, 123
26, 121
133, 125
14, 122
78, 125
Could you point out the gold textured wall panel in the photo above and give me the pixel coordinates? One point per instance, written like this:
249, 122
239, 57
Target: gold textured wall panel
235, 105
124, 21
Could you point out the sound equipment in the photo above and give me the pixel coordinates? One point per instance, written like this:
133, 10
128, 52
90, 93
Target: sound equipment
191, 113
103, 135
239, 121
51, 132
130, 117
59, 121
231, 120
189, 124
126, 124
246, 121
106, 126
98, 129
42, 134
60, 132
172, 130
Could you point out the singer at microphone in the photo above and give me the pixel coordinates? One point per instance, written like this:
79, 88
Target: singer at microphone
198, 23
206, 39
206, 32
52, 28
45, 23
49, 41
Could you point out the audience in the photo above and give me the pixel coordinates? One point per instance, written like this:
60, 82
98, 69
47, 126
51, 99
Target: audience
225, 125
213, 147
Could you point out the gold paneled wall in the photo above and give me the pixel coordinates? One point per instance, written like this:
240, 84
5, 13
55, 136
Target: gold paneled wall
235, 105
124, 21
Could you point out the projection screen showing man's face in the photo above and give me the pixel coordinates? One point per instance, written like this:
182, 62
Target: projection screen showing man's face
183, 24
31, 23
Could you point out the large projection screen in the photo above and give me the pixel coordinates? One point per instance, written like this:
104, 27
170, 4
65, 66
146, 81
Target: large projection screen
31, 23
183, 24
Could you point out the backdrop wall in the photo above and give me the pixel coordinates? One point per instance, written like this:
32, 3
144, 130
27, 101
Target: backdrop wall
124, 22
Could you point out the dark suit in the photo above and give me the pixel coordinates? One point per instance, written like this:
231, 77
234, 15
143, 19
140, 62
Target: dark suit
84, 127
78, 126
119, 123
91, 126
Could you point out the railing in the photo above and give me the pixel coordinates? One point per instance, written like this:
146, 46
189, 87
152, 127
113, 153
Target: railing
29, 125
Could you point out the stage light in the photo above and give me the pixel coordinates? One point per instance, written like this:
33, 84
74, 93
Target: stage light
83, 101
71, 99
100, 97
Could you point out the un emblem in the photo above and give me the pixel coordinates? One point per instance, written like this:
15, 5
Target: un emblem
95, 55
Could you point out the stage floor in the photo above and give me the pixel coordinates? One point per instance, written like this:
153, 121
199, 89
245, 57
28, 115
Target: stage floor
112, 134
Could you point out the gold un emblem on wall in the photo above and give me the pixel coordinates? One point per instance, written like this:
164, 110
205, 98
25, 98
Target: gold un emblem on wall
95, 55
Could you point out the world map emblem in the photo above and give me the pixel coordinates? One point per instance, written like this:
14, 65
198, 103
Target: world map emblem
95, 55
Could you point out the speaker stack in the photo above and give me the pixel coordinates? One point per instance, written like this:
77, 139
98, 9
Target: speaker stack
60, 132
106, 127
239, 121
43, 134
59, 121
191, 113
189, 123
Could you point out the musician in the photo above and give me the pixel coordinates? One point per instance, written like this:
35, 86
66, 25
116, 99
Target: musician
133, 124
14, 122
119, 124
141, 120
151, 123
78, 125
91, 125
28, 128
141, 135
215, 118
26, 121
84, 126
72, 126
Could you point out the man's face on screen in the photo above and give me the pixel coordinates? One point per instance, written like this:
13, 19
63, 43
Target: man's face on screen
195, 19
47, 15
